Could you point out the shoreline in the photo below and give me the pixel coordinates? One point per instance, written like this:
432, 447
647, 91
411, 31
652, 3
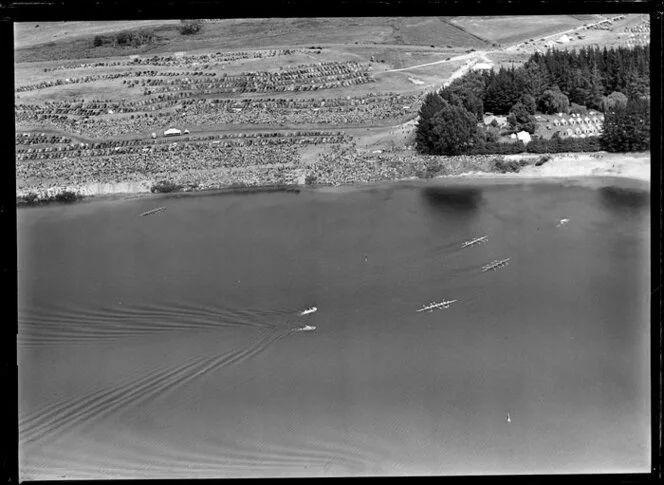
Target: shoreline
633, 167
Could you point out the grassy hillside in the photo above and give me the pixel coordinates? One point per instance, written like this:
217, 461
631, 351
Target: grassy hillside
62, 41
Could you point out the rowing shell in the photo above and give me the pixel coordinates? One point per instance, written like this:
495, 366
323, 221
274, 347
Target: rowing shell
153, 211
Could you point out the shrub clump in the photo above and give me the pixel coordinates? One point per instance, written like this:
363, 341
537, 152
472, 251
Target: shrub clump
542, 160
67, 196
190, 27
507, 166
165, 186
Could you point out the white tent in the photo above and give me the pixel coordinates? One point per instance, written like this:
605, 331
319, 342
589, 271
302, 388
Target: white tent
524, 136
482, 66
563, 39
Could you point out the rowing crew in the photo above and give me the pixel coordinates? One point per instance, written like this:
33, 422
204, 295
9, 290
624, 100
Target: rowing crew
472, 242
153, 211
436, 306
496, 264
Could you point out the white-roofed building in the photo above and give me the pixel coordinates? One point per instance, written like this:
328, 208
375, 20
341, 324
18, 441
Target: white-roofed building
482, 66
524, 136
172, 132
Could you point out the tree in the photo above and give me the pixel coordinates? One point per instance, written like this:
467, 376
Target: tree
503, 90
466, 97
189, 27
627, 128
553, 101
536, 79
431, 105
637, 86
520, 118
453, 131
613, 101
528, 102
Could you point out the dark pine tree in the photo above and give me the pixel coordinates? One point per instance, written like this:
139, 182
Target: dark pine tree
627, 129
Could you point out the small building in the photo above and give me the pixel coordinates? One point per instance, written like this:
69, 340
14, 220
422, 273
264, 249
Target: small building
154, 135
578, 131
563, 121
524, 136
482, 66
172, 132
563, 39
572, 121
556, 123
500, 120
186, 132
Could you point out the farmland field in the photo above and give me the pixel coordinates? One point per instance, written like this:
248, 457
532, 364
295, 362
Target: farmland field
505, 30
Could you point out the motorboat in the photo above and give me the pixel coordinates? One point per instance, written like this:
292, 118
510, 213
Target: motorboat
306, 328
562, 222
309, 310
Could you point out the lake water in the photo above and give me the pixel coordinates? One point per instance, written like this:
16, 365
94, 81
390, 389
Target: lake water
168, 345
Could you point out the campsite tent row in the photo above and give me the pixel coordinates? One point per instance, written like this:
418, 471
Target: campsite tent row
578, 132
577, 121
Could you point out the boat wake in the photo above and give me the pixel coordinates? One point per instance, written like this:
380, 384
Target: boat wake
70, 415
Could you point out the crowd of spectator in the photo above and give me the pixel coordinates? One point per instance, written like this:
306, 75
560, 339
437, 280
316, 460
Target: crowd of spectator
299, 78
110, 76
345, 164
92, 119
222, 140
199, 165
182, 60
40, 139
